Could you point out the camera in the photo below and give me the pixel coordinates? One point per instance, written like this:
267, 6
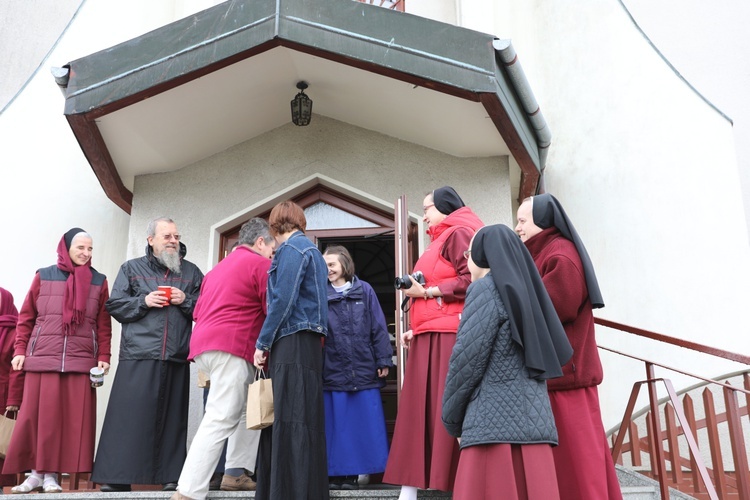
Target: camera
404, 282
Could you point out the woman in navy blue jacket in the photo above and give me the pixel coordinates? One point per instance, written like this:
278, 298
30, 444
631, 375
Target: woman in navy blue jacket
356, 358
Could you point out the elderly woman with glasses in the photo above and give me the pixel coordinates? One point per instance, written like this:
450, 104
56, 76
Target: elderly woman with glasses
423, 455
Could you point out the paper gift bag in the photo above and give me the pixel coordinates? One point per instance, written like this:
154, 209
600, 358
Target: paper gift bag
259, 402
6, 430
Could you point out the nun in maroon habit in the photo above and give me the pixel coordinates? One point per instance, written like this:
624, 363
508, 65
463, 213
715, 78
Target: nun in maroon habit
582, 460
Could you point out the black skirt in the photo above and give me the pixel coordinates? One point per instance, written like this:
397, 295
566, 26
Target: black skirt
292, 453
144, 436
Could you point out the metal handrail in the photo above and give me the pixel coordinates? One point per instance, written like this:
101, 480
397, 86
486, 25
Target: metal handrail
677, 370
733, 412
720, 353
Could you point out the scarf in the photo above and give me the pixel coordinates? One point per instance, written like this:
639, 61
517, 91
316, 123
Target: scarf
547, 212
534, 323
78, 283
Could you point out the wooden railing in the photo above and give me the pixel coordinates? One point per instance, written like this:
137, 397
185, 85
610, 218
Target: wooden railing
387, 4
688, 474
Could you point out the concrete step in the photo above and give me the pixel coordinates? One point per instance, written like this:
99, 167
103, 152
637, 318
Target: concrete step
361, 494
635, 486
628, 493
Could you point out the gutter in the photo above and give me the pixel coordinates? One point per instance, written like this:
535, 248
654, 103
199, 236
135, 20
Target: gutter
507, 55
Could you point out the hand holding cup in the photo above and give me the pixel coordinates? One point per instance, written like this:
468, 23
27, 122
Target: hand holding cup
167, 293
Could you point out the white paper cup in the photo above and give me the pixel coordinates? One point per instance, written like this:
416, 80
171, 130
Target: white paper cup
96, 375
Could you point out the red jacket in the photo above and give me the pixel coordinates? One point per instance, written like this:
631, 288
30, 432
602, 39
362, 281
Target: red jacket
562, 273
444, 266
39, 334
231, 307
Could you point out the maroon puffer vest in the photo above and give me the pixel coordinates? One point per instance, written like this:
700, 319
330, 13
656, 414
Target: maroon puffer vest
48, 349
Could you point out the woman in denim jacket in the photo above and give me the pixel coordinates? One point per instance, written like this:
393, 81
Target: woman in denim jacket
292, 455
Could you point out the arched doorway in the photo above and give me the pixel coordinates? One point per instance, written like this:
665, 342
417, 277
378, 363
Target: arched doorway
368, 233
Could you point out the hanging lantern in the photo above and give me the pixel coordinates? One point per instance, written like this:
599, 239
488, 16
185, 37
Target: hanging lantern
301, 106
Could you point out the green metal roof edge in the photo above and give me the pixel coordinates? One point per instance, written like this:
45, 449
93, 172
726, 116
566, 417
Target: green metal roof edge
229, 32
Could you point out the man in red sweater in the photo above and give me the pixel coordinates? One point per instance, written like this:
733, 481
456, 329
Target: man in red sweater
583, 461
228, 318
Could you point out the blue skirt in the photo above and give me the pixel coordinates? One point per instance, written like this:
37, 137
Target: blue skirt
356, 438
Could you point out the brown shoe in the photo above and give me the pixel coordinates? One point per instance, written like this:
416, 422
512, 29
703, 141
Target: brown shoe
239, 483
179, 496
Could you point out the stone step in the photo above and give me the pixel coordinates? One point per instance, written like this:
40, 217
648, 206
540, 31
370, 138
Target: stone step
628, 493
635, 486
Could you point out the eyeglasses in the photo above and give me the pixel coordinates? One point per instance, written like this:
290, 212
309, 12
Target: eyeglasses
426, 207
168, 237
466, 254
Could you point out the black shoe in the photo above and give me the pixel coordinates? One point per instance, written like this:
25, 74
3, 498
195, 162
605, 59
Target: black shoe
350, 483
334, 482
169, 487
215, 483
114, 488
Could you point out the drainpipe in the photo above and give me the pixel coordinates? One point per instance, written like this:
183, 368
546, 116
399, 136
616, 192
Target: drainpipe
507, 54
62, 76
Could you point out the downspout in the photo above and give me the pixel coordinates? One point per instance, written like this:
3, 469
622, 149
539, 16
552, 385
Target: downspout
507, 54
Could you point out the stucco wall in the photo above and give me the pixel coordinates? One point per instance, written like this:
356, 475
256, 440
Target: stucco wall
46, 184
648, 173
47, 21
207, 192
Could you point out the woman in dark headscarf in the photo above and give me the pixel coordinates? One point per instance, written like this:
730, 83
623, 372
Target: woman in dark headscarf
11, 382
509, 343
583, 462
63, 331
423, 454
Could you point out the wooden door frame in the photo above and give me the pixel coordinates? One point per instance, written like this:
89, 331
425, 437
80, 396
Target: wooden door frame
325, 194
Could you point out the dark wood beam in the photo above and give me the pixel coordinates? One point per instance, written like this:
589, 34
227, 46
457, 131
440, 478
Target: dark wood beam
96, 152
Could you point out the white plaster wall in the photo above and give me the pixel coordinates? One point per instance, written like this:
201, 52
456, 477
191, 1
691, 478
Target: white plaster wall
648, 173
706, 42
45, 21
209, 191
46, 184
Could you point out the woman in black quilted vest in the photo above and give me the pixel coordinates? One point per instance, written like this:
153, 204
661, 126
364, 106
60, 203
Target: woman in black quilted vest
509, 342
63, 332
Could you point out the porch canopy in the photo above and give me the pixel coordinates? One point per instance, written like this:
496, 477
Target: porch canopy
202, 84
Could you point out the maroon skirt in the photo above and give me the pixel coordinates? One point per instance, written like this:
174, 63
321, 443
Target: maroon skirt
56, 426
7, 479
506, 472
423, 454
583, 461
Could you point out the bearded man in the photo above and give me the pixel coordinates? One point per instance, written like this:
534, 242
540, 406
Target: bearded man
144, 435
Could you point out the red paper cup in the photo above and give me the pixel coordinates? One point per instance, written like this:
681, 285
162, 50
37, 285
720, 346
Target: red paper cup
167, 292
